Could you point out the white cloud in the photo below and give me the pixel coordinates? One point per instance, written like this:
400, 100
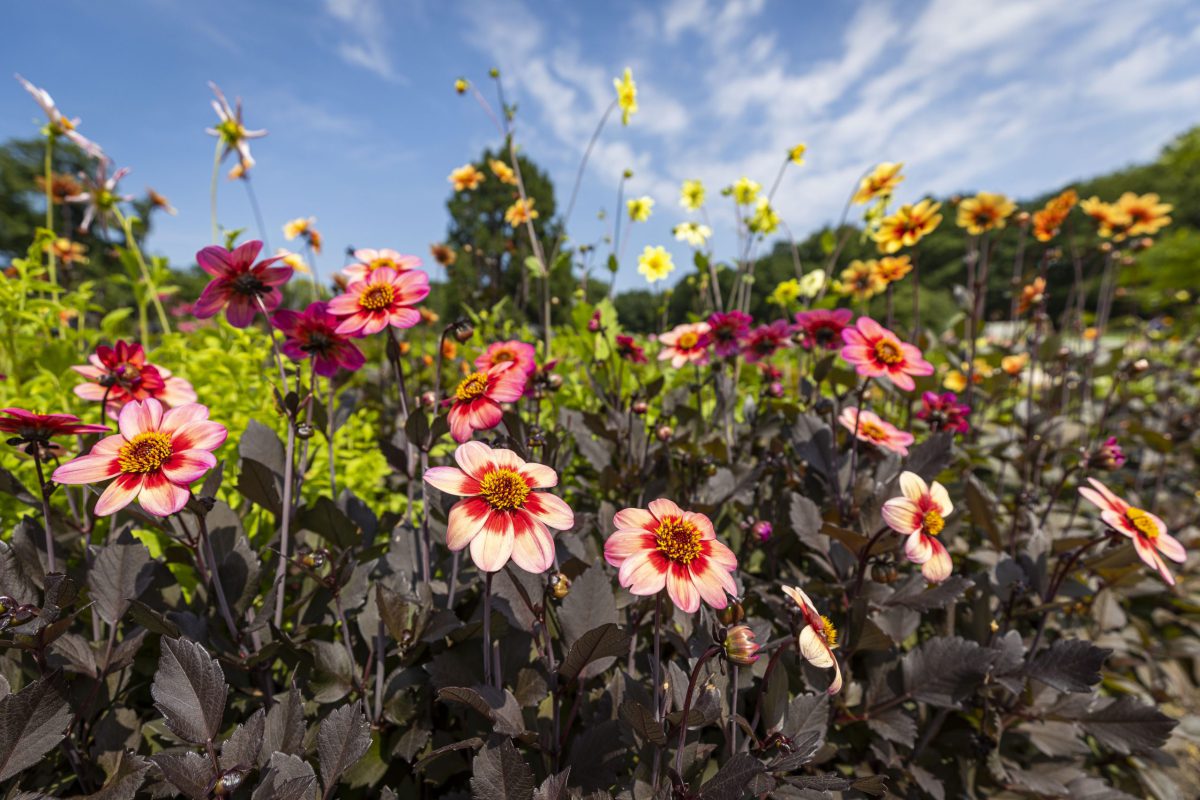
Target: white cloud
369, 46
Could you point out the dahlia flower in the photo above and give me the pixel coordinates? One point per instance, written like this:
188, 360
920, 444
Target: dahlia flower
477, 399
630, 350
686, 343
232, 133
1148, 531
514, 351
61, 125
381, 298
868, 427
154, 458
920, 514
501, 516
763, 341
313, 334
818, 638
727, 331
121, 373
822, 327
875, 351
665, 546
239, 283
367, 259
28, 427
943, 412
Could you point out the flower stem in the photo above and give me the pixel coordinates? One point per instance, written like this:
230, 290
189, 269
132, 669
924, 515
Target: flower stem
258, 217
216, 174
329, 439
51, 565
687, 706
52, 261
487, 628
210, 555
132, 245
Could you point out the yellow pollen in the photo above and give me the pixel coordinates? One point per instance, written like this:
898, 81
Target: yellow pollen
871, 431
502, 356
687, 340
678, 539
1142, 521
829, 632
383, 262
503, 489
888, 352
377, 297
471, 388
933, 522
145, 453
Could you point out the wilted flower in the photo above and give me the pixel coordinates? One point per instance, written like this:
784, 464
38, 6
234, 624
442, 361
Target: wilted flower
313, 334
727, 330
765, 340
693, 233
740, 647
818, 638
160, 202
870, 428
59, 124
239, 284
381, 298
691, 195
765, 221
1108, 456
943, 412
630, 350
302, 227
626, 95
639, 208
367, 259
920, 514
466, 178
875, 351
476, 402
443, 254
27, 427
121, 373
823, 327
882, 181
745, 191
520, 212
984, 212
796, 153
514, 351
1148, 532
503, 172
154, 458
1146, 214
686, 343
100, 195
890, 269
664, 546
861, 280
501, 516
655, 263
233, 133
907, 226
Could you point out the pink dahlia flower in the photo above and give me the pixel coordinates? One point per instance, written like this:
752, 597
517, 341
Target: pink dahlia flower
522, 354
868, 427
239, 284
383, 297
665, 546
818, 638
875, 351
765, 340
121, 374
728, 330
501, 516
368, 259
1148, 531
943, 412
32, 428
314, 335
477, 399
920, 514
154, 458
686, 343
822, 327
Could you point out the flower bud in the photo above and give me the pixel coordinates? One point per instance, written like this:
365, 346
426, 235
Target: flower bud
664, 433
740, 647
428, 399
762, 531
732, 614
1108, 456
463, 331
555, 381
560, 585
639, 407
461, 85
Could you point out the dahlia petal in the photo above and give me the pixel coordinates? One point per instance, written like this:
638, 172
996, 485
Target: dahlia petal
941, 499
633, 519
88, 469
814, 649
902, 515
939, 565
176, 418
403, 318
643, 573
504, 458
374, 323
719, 554
493, 545
539, 476
799, 598
274, 276
467, 518
624, 544
702, 523
871, 329
836, 686
707, 582
857, 353
452, 480
215, 261
918, 547
245, 255
1119, 522
343, 305
160, 497
681, 590
241, 310
912, 486
199, 435
483, 414
108, 446
901, 380
92, 392
140, 417
1171, 547
188, 465
663, 508
118, 494
460, 424
475, 458
551, 510
176, 391
1103, 497
533, 545
212, 299
853, 338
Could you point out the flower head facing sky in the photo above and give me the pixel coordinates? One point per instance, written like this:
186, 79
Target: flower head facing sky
466, 178
313, 334
745, 191
59, 124
231, 131
907, 226
639, 208
881, 182
691, 195
1146, 214
153, 459
984, 212
520, 212
239, 283
100, 197
655, 263
694, 233
626, 95
503, 172
501, 515
920, 514
663, 546
1147, 530
384, 297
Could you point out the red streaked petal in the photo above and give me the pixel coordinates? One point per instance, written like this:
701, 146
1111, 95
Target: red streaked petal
475, 458
633, 519
902, 514
663, 508
187, 466
539, 476
119, 494
493, 545
551, 510
625, 544
139, 417
466, 519
160, 497
681, 590
452, 480
643, 573
199, 435
88, 469
708, 583
533, 545
939, 565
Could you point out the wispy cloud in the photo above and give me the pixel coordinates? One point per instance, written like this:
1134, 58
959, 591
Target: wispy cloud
368, 45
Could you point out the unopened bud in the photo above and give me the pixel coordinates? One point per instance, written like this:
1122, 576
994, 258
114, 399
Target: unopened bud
639, 407
664, 433
740, 647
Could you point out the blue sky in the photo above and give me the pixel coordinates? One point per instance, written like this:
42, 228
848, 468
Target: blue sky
1018, 97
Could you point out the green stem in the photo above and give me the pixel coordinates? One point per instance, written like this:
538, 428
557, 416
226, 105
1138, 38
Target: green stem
52, 261
151, 287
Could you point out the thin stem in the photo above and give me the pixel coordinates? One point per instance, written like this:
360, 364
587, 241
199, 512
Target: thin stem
487, 628
211, 556
52, 260
132, 245
687, 706
329, 439
258, 217
216, 175
51, 566
579, 175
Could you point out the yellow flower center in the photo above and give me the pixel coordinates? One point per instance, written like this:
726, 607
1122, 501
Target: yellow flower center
678, 539
376, 263
888, 352
502, 356
146, 452
471, 388
1142, 521
871, 431
377, 297
503, 489
688, 340
828, 632
933, 522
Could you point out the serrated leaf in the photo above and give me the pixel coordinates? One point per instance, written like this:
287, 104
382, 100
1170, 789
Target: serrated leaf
805, 518
499, 773
1129, 726
32, 722
342, 739
935, 597
499, 706
554, 787
732, 778
642, 720
589, 605
124, 780
944, 670
119, 575
285, 728
244, 745
190, 773
189, 690
1069, 665
287, 777
607, 641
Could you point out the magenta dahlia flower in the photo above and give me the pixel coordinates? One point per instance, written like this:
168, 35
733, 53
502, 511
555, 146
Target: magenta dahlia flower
765, 340
727, 331
27, 427
121, 373
943, 412
313, 334
823, 327
239, 284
